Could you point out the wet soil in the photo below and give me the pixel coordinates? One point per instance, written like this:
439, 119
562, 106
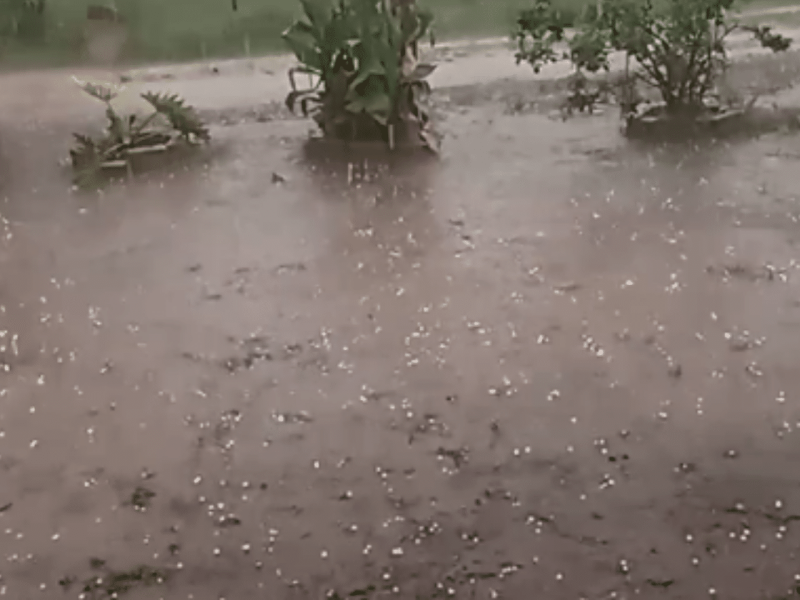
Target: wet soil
547, 364
255, 88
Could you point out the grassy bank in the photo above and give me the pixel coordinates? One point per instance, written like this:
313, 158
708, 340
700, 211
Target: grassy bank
179, 30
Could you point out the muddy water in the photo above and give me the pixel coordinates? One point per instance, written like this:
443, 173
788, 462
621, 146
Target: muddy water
549, 364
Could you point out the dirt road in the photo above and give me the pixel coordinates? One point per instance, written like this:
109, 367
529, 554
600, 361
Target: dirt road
548, 365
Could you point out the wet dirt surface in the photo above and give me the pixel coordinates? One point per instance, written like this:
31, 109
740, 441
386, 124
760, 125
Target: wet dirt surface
257, 86
549, 364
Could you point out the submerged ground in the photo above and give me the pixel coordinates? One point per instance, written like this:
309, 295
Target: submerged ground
551, 364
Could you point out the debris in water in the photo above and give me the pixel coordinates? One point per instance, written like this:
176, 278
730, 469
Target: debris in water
566, 287
140, 498
288, 417
754, 370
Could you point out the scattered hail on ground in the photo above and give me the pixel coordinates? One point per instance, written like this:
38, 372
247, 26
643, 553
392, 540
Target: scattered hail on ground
547, 364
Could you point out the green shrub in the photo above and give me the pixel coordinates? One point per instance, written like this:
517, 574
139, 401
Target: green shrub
679, 46
170, 120
362, 56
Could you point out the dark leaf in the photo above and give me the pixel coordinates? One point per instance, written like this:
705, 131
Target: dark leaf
421, 71
180, 115
304, 41
374, 100
319, 13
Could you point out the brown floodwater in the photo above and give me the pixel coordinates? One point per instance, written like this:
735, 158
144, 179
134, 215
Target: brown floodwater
547, 364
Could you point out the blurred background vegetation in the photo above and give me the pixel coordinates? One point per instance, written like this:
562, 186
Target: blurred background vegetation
52, 32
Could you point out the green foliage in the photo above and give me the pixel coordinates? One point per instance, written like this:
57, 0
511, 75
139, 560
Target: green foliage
539, 29
679, 46
182, 117
361, 59
767, 38
171, 119
582, 96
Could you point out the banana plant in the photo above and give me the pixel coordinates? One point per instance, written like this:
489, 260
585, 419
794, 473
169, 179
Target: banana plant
360, 57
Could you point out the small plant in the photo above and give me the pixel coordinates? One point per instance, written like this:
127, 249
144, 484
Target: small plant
678, 46
365, 78
172, 120
543, 28
582, 96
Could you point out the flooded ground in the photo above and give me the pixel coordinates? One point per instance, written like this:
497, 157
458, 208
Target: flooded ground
550, 364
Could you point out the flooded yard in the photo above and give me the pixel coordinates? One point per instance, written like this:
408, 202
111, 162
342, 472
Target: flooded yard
550, 364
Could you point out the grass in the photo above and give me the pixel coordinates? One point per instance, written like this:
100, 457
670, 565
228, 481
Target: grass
176, 30
180, 30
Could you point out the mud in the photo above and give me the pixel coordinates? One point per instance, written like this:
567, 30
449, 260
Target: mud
548, 364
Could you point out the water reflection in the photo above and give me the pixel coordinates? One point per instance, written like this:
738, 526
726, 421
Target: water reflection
390, 222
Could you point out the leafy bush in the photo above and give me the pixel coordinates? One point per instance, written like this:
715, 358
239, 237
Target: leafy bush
679, 46
366, 79
125, 136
